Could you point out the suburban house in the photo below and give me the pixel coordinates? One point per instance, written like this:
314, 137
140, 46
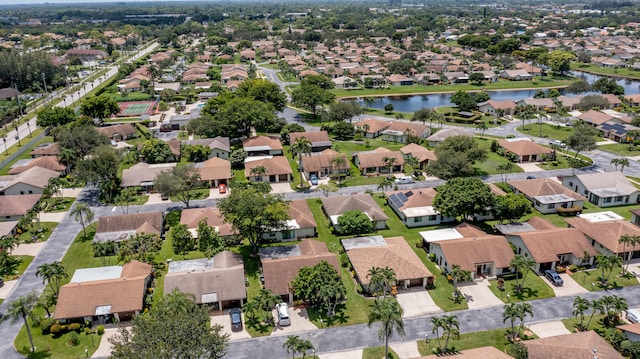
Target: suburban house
119, 228
540, 104
214, 171
399, 80
300, 224
422, 154
635, 216
324, 164
631, 331
14, 207
335, 206
48, 162
595, 118
220, 146
525, 150
372, 162
281, 264
415, 207
143, 175
617, 131
117, 133
31, 181
547, 244
471, 248
400, 131
218, 281
191, 217
497, 108
516, 75
575, 345
547, 195
603, 189
368, 252
320, 140
442, 134
104, 294
262, 146
604, 229
371, 127
46, 149
276, 169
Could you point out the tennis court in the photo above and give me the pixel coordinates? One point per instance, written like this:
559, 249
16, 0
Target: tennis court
128, 109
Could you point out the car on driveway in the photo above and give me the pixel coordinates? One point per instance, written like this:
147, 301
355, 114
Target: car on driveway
236, 319
314, 179
283, 314
553, 277
222, 188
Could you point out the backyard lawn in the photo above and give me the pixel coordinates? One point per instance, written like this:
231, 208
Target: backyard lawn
590, 279
534, 287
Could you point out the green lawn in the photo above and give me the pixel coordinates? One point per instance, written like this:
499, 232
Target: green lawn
534, 288
546, 130
595, 324
294, 167
377, 353
623, 72
45, 231
22, 266
200, 193
493, 338
58, 204
591, 279
493, 160
623, 149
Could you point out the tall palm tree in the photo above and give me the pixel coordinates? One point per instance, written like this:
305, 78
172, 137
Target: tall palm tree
522, 266
459, 274
338, 163
482, 127
510, 313
596, 306
388, 312
438, 323
21, 308
524, 310
292, 344
505, 169
451, 328
376, 283
607, 263
412, 162
102, 250
83, 214
627, 240
388, 163
300, 147
52, 273
580, 306
304, 346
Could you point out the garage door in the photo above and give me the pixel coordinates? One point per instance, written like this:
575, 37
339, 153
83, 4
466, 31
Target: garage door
415, 282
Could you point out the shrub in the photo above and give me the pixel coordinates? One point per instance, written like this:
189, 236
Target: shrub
74, 338
432, 257
64, 328
100, 329
74, 326
55, 329
573, 268
571, 211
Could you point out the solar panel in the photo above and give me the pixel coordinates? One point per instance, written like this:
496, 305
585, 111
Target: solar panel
409, 194
397, 202
402, 197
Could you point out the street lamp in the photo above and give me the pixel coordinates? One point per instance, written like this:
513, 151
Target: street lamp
15, 125
6, 151
29, 127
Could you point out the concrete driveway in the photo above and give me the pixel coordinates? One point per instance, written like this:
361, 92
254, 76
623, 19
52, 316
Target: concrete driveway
478, 295
214, 193
104, 348
7, 287
28, 249
225, 322
406, 350
417, 302
281, 187
529, 167
351, 354
155, 198
569, 286
299, 322
549, 329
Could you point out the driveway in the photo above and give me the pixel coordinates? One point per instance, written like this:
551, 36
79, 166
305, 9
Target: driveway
6, 288
281, 187
406, 350
569, 287
351, 354
417, 302
478, 295
299, 322
28, 249
549, 329
155, 198
52, 216
529, 167
214, 193
225, 322
104, 349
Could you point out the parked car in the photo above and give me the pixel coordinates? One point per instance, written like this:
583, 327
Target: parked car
236, 319
553, 277
404, 180
283, 314
531, 177
314, 179
633, 315
222, 188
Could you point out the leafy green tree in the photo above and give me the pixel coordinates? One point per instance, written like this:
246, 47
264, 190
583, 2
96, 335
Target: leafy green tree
388, 312
463, 197
51, 116
195, 153
326, 188
287, 129
388, 108
101, 169
83, 214
354, 222
582, 139
125, 197
181, 239
578, 86
99, 107
237, 158
155, 151
607, 86
456, 156
252, 213
511, 207
518, 350
80, 141
264, 91
209, 241
180, 182
464, 100
21, 308
141, 246
176, 327
476, 77
560, 61
522, 266
319, 285
591, 102
344, 110
52, 273
312, 92
342, 131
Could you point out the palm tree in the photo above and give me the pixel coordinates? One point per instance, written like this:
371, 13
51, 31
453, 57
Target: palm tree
451, 328
412, 162
596, 306
625, 240
523, 266
21, 308
388, 163
510, 313
304, 346
504, 170
83, 214
459, 274
580, 306
524, 310
612, 306
389, 313
154, 73
52, 273
292, 344
259, 171
438, 323
338, 163
388, 182
482, 127
376, 283
102, 250
300, 147
607, 263
624, 162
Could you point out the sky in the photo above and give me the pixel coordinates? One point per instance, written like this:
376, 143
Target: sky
31, 2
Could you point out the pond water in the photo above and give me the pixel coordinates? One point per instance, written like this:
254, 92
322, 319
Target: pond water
412, 103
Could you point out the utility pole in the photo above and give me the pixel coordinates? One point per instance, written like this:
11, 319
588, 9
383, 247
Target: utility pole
18, 98
44, 81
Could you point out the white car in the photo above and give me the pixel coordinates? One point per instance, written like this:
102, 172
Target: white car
404, 180
283, 314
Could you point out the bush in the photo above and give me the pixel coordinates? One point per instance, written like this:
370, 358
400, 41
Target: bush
100, 329
74, 338
55, 329
571, 211
74, 326
573, 268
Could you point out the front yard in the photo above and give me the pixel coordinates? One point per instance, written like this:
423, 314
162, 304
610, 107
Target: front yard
590, 279
533, 288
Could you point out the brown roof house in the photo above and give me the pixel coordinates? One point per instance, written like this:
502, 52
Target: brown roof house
547, 195
335, 206
497, 108
603, 189
14, 207
280, 264
525, 150
121, 227
143, 175
31, 181
445, 133
400, 131
323, 164
191, 217
276, 169
547, 244
300, 224
220, 146
215, 171
373, 162
415, 207
262, 146
422, 154
218, 281
48, 162
46, 149
576, 345
395, 253
105, 293
371, 127
604, 229
471, 248
120, 132
320, 140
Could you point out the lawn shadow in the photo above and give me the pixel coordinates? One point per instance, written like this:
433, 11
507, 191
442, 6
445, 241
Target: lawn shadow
38, 354
339, 318
524, 293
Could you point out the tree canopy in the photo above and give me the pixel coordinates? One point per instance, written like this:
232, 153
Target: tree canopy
51, 116
319, 285
99, 107
463, 197
456, 156
354, 222
178, 182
